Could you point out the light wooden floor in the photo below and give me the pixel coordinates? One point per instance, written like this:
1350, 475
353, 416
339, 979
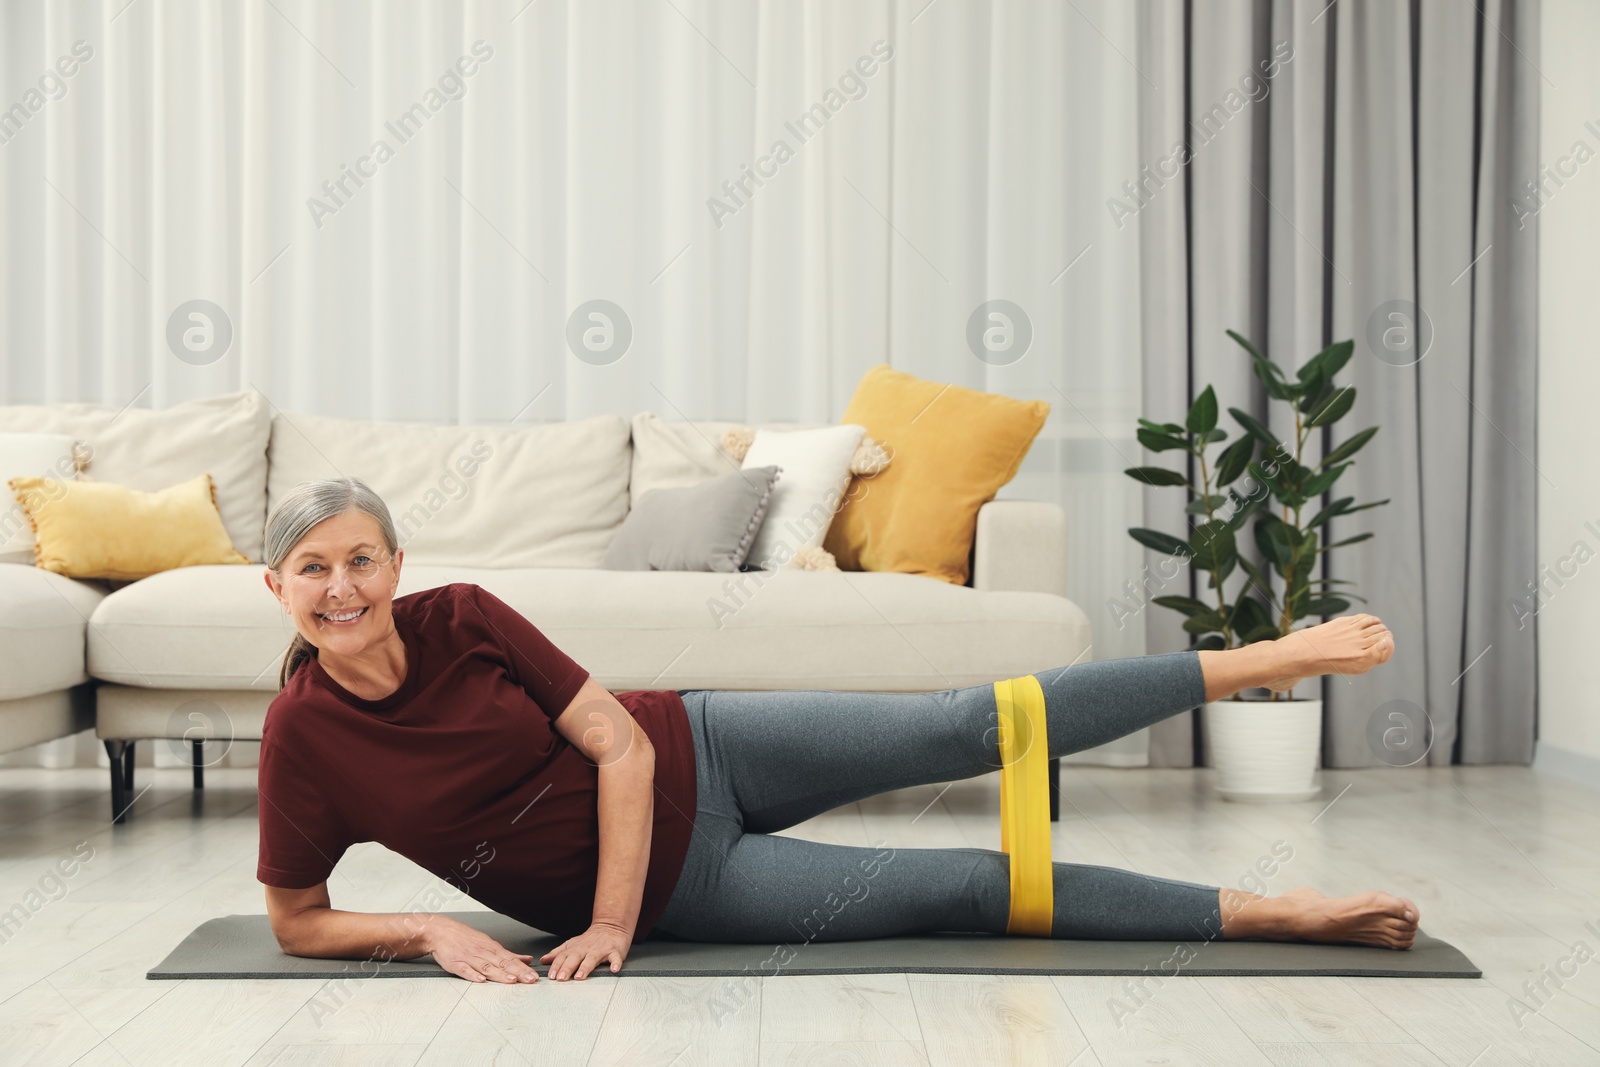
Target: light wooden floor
1501, 861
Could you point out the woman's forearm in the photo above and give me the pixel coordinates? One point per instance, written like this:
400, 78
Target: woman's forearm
627, 809
324, 933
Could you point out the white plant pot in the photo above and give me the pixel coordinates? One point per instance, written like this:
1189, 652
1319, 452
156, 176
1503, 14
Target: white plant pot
1263, 751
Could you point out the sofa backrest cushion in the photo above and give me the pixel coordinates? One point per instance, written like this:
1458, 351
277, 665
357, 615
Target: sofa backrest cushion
672, 455
549, 495
27, 455
224, 436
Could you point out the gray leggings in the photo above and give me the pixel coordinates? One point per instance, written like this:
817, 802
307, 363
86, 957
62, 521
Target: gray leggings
768, 760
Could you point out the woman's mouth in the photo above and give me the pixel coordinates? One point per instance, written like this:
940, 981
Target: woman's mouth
342, 618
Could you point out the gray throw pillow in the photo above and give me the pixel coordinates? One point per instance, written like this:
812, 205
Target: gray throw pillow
705, 527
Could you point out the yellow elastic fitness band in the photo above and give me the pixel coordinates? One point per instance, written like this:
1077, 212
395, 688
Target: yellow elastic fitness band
1025, 804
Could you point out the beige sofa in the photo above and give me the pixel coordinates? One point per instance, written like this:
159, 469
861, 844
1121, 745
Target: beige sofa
525, 511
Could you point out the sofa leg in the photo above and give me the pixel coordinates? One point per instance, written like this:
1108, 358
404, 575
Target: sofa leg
198, 750
121, 755
1055, 789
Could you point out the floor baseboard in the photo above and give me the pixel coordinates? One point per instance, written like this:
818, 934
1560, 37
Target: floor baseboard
1567, 763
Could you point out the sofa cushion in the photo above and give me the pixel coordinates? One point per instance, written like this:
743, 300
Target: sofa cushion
224, 436
921, 513
220, 627
28, 455
671, 455
191, 628
816, 469
705, 527
43, 622
551, 495
102, 530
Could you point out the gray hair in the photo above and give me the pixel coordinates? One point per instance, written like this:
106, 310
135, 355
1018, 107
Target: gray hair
306, 505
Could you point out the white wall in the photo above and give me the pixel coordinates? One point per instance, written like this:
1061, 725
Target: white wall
1569, 383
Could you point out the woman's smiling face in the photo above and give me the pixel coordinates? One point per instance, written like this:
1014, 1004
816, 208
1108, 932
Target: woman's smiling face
340, 569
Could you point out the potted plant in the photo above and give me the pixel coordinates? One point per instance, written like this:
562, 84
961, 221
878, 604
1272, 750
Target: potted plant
1263, 750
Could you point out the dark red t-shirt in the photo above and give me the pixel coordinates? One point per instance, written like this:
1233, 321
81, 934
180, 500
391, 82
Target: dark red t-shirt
461, 770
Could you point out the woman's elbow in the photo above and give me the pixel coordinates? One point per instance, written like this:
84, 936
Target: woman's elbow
287, 944
638, 756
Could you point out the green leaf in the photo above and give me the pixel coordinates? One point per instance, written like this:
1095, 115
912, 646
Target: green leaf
1257, 430
1270, 374
1364, 507
1272, 538
1327, 605
1161, 427
1243, 508
1331, 360
1213, 642
1346, 541
1348, 448
1297, 601
1159, 442
1186, 604
1261, 633
1202, 505
1319, 484
1212, 545
1305, 551
1161, 542
1258, 580
1272, 380
1273, 482
1250, 614
1203, 413
1214, 435
1313, 391
1334, 408
1335, 508
1255, 353
1156, 476
1200, 624
1234, 460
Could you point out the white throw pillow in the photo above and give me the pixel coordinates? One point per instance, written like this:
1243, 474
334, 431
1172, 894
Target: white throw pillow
28, 455
810, 489
676, 455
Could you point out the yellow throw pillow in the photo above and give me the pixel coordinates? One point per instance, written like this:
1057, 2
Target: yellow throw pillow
101, 530
952, 448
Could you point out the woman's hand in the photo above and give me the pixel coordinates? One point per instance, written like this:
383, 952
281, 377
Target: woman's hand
582, 953
474, 955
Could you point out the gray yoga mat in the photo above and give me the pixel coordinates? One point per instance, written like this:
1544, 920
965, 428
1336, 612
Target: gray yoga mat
242, 946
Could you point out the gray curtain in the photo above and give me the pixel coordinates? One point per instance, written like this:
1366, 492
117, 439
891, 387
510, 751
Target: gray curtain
1354, 171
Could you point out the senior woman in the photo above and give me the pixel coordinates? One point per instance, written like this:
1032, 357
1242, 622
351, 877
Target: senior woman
447, 727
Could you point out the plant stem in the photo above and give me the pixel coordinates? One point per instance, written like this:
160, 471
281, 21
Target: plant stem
1222, 602
1286, 623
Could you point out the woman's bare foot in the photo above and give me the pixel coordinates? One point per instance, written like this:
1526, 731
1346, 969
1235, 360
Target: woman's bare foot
1350, 644
1305, 914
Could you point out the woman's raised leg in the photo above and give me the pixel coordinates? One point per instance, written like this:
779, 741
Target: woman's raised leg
790, 755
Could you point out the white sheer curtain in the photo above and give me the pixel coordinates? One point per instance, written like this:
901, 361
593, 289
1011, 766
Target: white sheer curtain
954, 153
